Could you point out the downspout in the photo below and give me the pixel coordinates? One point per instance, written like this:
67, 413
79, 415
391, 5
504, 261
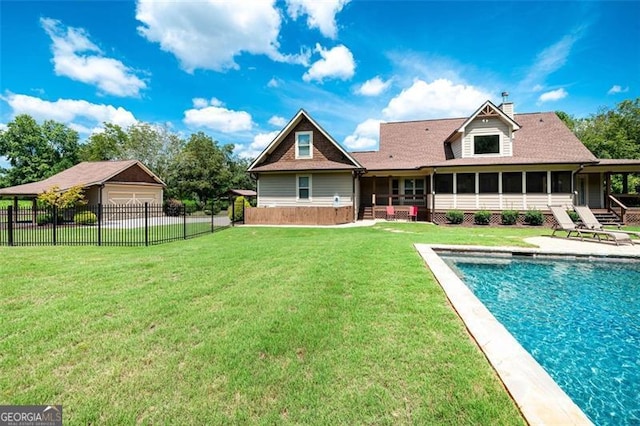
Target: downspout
433, 194
573, 183
353, 194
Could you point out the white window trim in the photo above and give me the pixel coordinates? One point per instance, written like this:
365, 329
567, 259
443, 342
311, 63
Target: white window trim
492, 154
298, 188
306, 157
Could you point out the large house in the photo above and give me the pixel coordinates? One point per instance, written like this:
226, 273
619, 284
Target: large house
492, 160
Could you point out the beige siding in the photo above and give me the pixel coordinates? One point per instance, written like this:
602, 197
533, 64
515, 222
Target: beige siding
565, 200
491, 127
456, 148
444, 201
489, 202
465, 201
279, 190
512, 202
538, 201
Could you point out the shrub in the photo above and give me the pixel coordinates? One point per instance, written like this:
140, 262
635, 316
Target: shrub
207, 212
219, 205
482, 217
574, 216
85, 218
510, 217
454, 216
534, 217
173, 207
190, 206
43, 219
238, 203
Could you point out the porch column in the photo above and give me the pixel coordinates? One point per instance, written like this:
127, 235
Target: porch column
390, 191
607, 202
625, 183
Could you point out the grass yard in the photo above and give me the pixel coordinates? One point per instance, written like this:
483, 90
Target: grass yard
248, 325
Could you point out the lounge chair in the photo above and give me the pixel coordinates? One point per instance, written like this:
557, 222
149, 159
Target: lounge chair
564, 223
591, 222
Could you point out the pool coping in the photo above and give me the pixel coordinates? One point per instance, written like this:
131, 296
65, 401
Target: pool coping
536, 394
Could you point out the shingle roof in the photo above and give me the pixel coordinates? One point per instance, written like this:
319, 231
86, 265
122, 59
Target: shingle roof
85, 174
304, 166
542, 138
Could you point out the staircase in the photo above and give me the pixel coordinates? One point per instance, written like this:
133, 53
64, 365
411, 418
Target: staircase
606, 217
365, 213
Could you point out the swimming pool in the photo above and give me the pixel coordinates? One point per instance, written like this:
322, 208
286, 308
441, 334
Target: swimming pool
580, 319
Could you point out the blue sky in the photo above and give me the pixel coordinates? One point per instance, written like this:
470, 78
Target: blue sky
239, 70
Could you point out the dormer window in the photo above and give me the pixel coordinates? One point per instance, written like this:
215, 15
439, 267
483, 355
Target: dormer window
486, 144
304, 145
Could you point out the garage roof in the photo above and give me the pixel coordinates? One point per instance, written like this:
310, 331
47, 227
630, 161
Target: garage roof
88, 173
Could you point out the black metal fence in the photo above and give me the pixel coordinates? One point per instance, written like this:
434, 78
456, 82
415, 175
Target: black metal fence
104, 225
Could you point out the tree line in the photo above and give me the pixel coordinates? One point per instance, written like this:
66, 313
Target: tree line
197, 168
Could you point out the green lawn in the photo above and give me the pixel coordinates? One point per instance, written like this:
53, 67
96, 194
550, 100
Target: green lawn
248, 325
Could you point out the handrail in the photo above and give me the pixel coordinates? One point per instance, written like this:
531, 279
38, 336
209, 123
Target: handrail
623, 208
390, 197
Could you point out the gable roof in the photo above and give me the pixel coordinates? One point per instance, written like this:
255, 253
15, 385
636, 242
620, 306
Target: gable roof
542, 139
87, 174
325, 164
488, 109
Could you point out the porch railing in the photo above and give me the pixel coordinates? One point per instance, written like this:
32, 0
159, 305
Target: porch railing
616, 204
399, 200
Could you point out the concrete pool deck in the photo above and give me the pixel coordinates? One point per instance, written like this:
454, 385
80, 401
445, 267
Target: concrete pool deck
539, 398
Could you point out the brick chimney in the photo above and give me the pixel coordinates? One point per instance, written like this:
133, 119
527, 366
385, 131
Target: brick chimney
506, 106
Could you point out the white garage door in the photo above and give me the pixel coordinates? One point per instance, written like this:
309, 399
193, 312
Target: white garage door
132, 197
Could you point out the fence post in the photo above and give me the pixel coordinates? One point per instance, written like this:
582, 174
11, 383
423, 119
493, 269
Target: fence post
184, 222
233, 211
243, 200
10, 225
99, 224
146, 224
212, 214
55, 223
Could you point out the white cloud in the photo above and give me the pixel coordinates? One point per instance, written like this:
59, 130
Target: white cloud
320, 14
76, 57
617, 89
260, 142
365, 137
210, 34
551, 59
441, 98
553, 95
373, 87
538, 88
278, 121
335, 63
213, 115
274, 82
3, 126
78, 113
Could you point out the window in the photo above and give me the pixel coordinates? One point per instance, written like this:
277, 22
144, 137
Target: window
466, 183
304, 144
444, 183
561, 182
488, 183
486, 144
304, 187
537, 182
512, 183
414, 187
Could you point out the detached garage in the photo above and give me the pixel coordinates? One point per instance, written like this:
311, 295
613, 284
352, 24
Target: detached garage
105, 182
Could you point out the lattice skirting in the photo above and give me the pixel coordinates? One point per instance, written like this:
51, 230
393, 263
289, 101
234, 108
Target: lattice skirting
496, 218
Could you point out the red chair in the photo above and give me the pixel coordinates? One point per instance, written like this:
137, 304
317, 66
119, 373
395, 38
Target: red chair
413, 213
391, 213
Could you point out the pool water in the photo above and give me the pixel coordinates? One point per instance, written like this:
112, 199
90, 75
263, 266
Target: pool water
579, 319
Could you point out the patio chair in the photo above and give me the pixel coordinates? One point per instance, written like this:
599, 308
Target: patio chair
413, 213
564, 223
591, 222
391, 213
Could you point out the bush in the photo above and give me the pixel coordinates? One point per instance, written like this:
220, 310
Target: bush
534, 217
482, 217
238, 216
208, 212
173, 207
510, 217
191, 206
574, 216
219, 205
454, 217
43, 219
85, 218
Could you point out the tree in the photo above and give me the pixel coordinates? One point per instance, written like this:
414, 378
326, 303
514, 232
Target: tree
35, 151
106, 145
201, 170
62, 199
